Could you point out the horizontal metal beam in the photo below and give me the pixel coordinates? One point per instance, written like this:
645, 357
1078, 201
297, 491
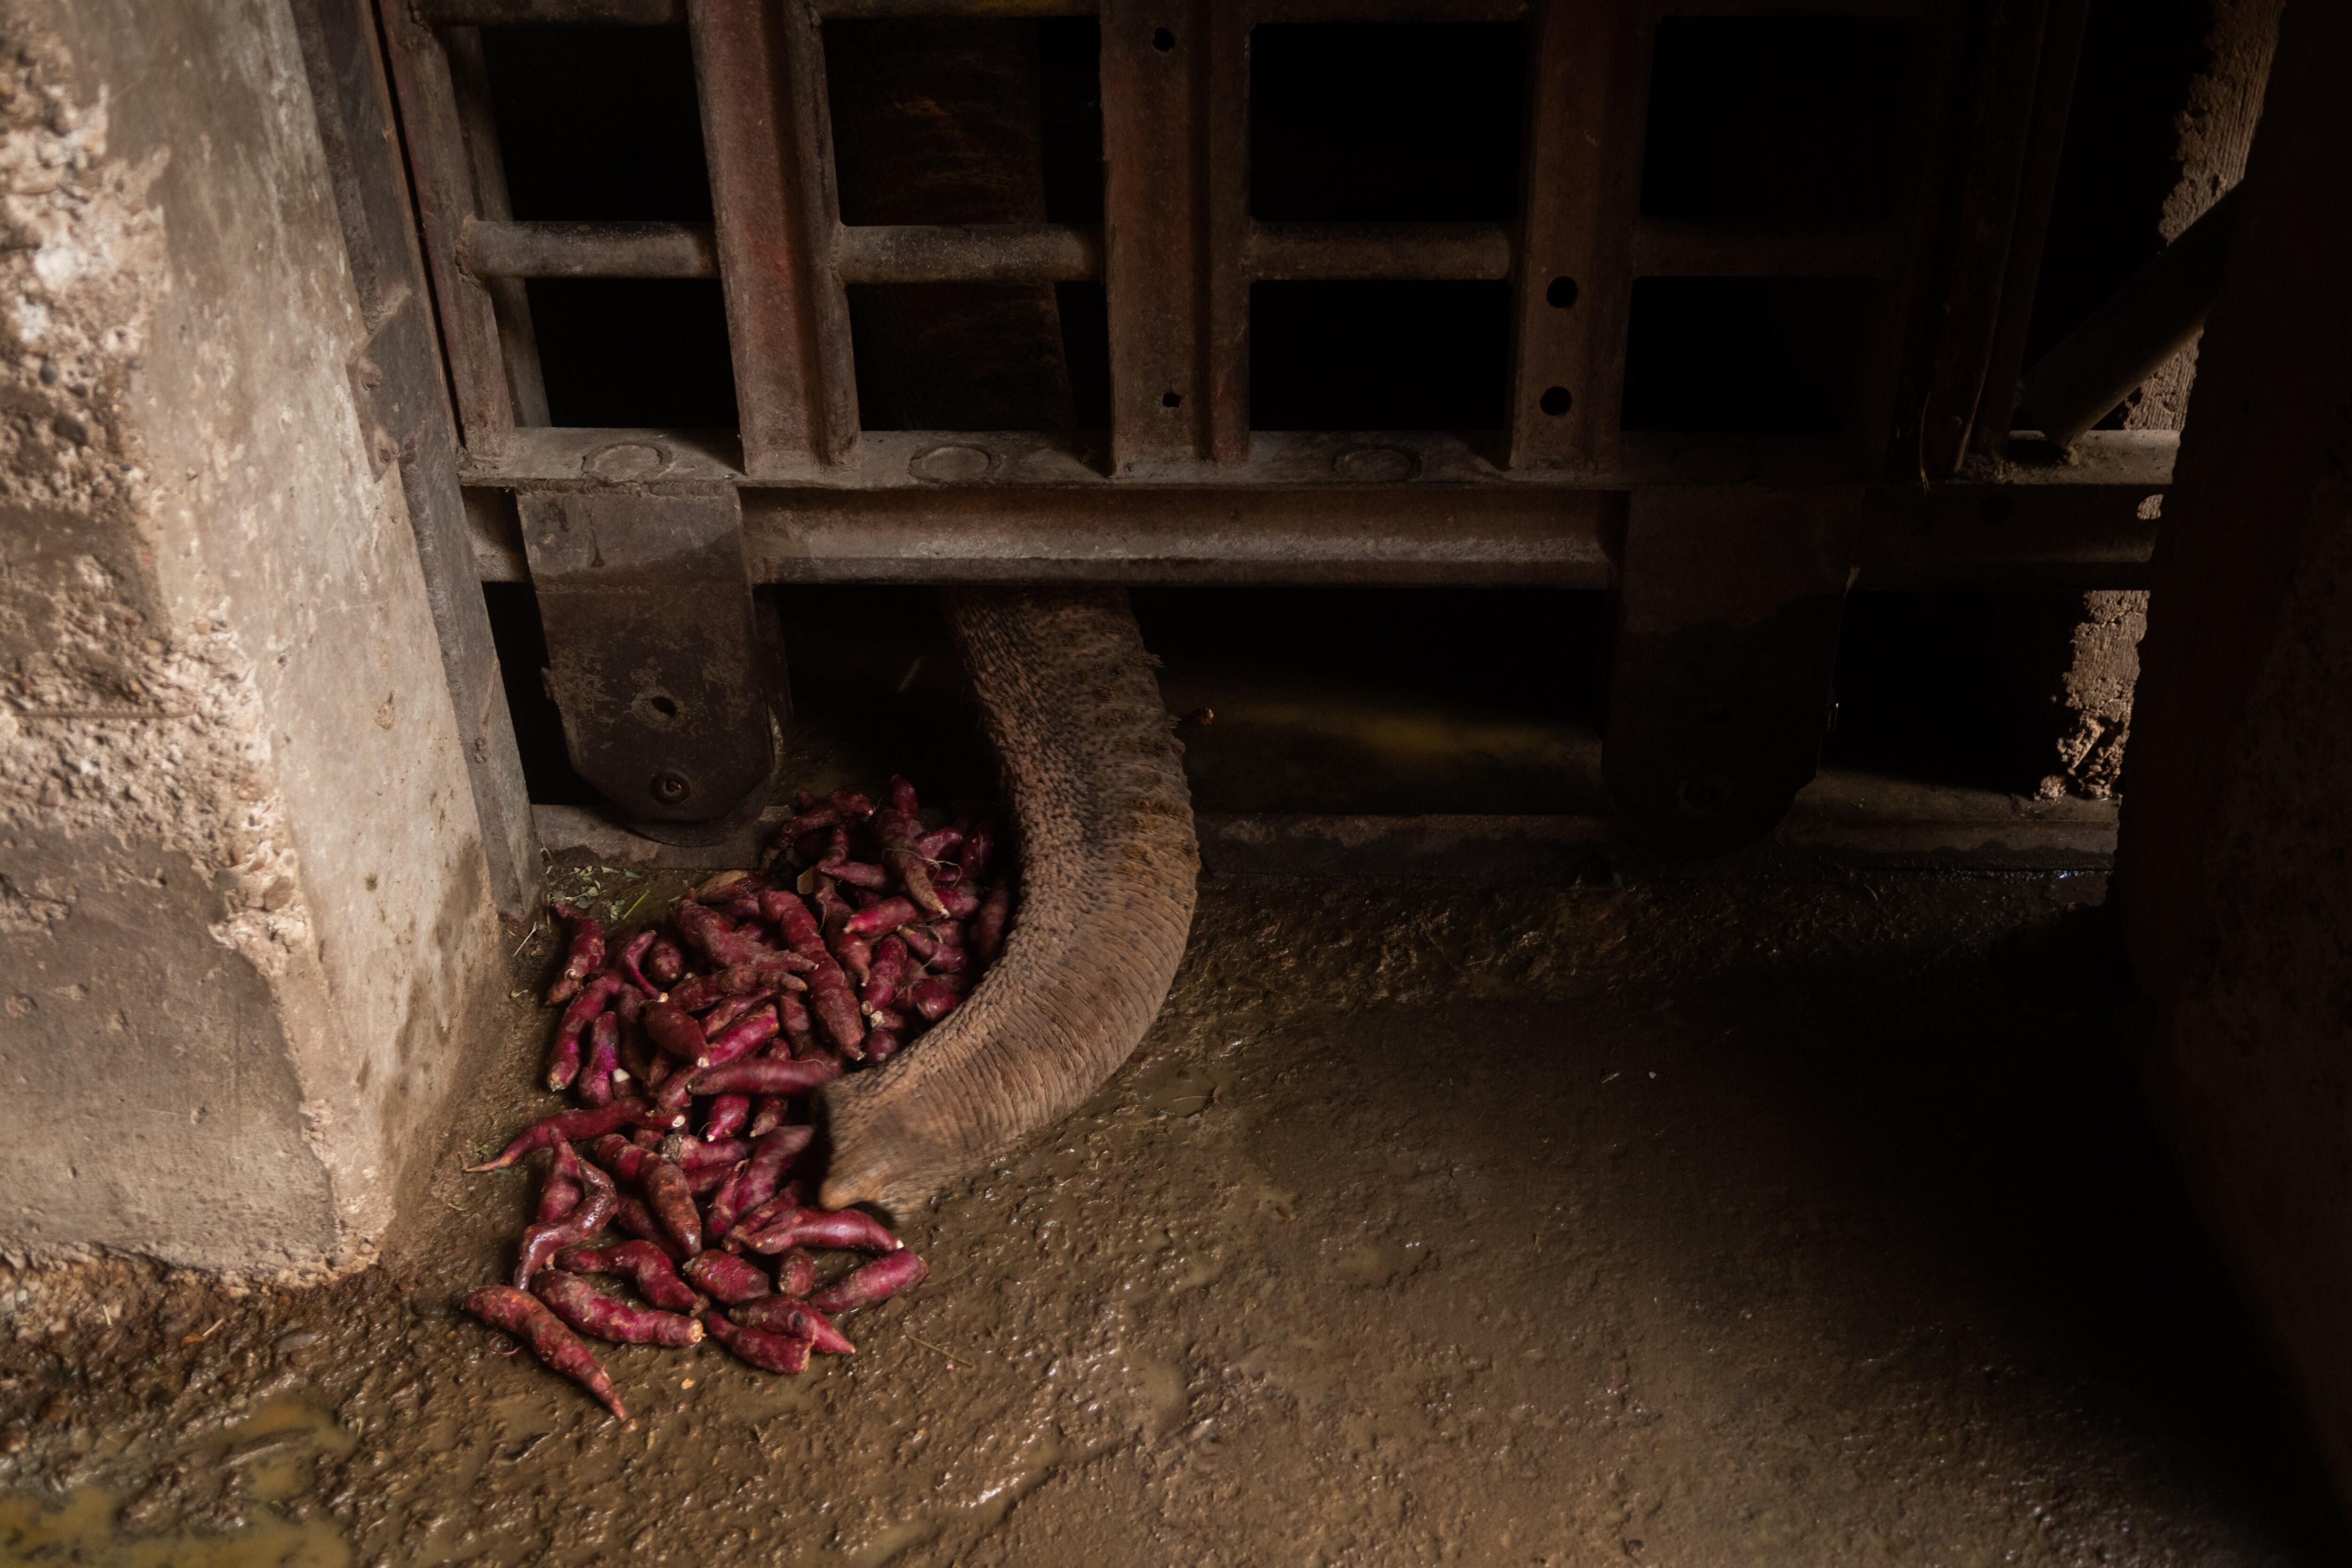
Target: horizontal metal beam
2128, 339
977, 253
552, 13
926, 507
487, 249
1417, 251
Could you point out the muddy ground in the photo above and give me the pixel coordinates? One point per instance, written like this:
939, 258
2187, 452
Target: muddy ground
1695, 1223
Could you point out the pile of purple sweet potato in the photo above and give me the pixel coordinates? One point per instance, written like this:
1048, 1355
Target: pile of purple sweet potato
692, 1045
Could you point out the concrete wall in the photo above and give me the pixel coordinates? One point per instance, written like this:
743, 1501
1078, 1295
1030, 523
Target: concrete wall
243, 900
2234, 873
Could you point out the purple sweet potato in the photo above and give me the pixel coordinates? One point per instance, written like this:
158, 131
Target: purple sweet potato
647, 1267
621, 1159
589, 1216
726, 1278
771, 1156
584, 958
560, 1194
881, 1045
979, 845
988, 925
784, 909
796, 1271
780, 972
677, 1033
742, 1039
835, 1005
526, 1317
937, 998
725, 1116
631, 961
632, 1215
593, 1312
779, 1314
887, 975
850, 1229
871, 1282
664, 962
670, 1197
716, 937
579, 1124
563, 1051
764, 1074
688, 1152
880, 920
900, 828
769, 1353
725, 1015
767, 1115
595, 1081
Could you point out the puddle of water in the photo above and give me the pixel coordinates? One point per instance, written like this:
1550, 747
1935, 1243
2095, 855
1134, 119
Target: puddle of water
276, 1446
1373, 1263
83, 1533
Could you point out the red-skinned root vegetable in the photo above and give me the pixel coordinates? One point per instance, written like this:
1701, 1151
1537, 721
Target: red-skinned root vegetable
780, 972
647, 1267
523, 1316
973, 858
579, 1124
593, 1312
670, 1197
595, 1083
586, 958
704, 1180
624, 1159
835, 1005
988, 926
781, 1205
769, 1353
718, 1214
939, 843
767, 1115
886, 1020
708, 932
765, 1075
632, 1215
676, 1033
731, 1012
589, 1216
784, 909
796, 1271
688, 1152
871, 1282
900, 828
937, 998
564, 1052
771, 1156
891, 967
781, 1314
726, 1278
881, 1045
846, 1229
632, 960
726, 1117
882, 919
742, 1039
560, 1194
664, 962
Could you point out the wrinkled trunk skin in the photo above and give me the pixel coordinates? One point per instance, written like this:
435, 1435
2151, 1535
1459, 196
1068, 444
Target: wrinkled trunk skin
1107, 863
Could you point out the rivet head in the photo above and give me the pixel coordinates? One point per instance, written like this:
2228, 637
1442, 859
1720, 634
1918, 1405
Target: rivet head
624, 460
1375, 465
952, 465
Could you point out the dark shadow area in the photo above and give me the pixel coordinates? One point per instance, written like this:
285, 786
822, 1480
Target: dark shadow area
1397, 121
522, 642
1776, 120
1951, 688
1743, 355
635, 350
1378, 356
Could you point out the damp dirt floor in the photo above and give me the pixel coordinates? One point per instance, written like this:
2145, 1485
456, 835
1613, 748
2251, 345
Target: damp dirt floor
1699, 1222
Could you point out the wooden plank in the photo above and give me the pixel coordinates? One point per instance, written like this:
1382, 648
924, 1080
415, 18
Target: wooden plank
1588, 88
759, 70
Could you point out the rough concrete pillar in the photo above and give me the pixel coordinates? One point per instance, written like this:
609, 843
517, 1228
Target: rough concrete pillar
243, 895
2234, 875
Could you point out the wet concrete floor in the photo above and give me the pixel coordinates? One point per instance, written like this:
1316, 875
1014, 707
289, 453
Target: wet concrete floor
1694, 1223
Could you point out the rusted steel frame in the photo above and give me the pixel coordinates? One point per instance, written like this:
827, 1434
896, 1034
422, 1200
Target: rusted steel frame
1897, 9
2129, 337
551, 12
885, 10
1991, 179
1269, 11
974, 253
586, 249
1378, 250
443, 176
759, 70
469, 78
1176, 210
2053, 100
1684, 248
1587, 93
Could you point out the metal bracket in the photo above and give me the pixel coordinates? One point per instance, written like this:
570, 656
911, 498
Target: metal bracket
670, 693
1729, 600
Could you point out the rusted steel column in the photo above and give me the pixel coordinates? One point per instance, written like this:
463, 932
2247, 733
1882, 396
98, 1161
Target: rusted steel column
655, 655
453, 164
1588, 91
759, 69
1729, 604
1175, 90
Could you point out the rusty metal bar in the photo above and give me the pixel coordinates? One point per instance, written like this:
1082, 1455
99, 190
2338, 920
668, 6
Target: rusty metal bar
906, 10
445, 198
551, 12
1436, 251
977, 253
1267, 11
1994, 176
2129, 337
2053, 102
586, 249
760, 70
1586, 87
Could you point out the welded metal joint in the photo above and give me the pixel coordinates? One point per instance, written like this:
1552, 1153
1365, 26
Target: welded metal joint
670, 693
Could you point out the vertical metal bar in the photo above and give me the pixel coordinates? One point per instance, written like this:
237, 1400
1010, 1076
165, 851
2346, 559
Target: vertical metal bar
444, 182
469, 81
1158, 60
2053, 100
759, 67
1586, 92
1224, 224
1979, 265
